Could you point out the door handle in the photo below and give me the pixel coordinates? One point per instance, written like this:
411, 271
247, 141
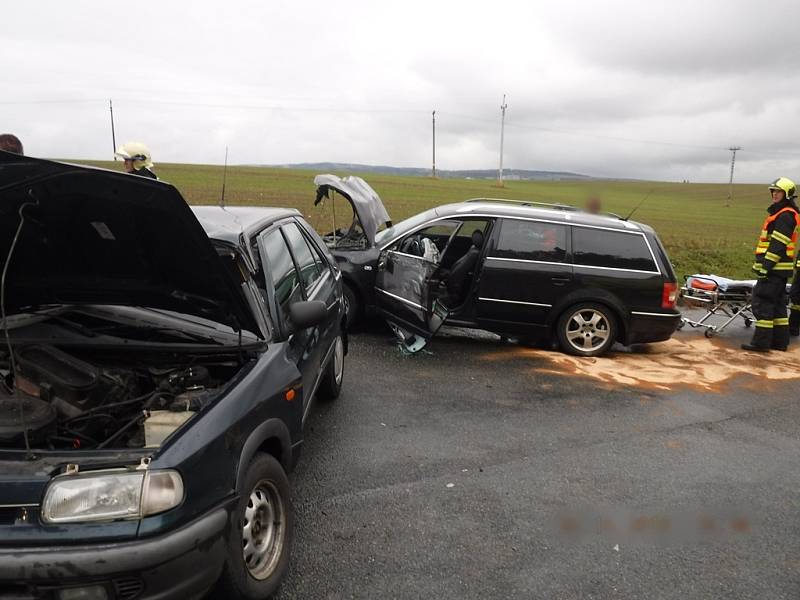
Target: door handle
560, 280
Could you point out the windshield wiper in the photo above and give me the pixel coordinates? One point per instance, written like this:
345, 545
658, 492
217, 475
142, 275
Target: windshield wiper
198, 337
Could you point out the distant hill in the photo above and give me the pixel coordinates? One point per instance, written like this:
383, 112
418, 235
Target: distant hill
509, 174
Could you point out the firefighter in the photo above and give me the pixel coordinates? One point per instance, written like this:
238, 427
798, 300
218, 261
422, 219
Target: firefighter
137, 159
775, 258
794, 299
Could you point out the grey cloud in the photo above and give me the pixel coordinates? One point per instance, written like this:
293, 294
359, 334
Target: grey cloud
304, 81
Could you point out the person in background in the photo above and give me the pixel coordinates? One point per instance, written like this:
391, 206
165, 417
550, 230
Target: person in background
137, 159
775, 259
10, 143
794, 299
593, 205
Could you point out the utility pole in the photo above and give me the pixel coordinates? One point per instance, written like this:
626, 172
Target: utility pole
503, 107
433, 168
113, 135
733, 150
224, 177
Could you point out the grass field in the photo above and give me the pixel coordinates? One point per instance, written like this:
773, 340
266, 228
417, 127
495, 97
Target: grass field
701, 234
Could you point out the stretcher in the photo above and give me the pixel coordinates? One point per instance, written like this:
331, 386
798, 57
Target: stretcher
730, 297
717, 294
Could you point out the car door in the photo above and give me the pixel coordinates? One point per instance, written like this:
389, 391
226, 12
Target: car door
320, 283
402, 290
525, 273
284, 287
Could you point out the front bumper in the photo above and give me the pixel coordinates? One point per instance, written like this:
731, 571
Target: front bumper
645, 327
181, 564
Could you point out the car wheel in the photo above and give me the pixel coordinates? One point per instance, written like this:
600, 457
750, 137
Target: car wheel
260, 538
352, 306
586, 330
331, 385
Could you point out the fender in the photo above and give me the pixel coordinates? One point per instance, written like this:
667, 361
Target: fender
272, 428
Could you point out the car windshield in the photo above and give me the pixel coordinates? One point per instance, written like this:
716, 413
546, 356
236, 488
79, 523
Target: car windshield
404, 227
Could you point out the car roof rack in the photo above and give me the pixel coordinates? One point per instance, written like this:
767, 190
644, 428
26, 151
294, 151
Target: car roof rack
526, 203
554, 206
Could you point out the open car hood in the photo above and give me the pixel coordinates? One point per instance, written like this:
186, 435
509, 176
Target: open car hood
103, 237
366, 203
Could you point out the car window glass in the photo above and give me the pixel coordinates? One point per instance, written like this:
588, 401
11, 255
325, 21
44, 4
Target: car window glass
530, 240
438, 236
469, 227
603, 248
308, 267
322, 264
284, 274
461, 242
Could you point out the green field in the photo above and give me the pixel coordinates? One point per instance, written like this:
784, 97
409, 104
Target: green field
701, 234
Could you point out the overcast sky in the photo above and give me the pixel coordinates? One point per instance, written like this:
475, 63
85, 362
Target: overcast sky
655, 89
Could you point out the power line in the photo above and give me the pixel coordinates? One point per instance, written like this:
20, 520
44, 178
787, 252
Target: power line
752, 151
58, 101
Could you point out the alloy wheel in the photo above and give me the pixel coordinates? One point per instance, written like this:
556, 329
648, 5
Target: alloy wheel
587, 330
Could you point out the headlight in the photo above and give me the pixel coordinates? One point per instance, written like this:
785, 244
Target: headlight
109, 495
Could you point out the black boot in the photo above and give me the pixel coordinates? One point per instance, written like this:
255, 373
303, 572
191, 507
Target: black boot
794, 323
780, 338
762, 340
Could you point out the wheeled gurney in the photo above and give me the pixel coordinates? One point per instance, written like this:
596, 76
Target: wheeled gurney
717, 294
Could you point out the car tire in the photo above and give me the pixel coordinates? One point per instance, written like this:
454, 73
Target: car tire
331, 385
352, 306
586, 329
259, 541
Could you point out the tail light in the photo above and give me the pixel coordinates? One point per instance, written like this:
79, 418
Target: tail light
670, 295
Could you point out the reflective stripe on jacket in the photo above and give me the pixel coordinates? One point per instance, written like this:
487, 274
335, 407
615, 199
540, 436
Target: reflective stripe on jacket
777, 245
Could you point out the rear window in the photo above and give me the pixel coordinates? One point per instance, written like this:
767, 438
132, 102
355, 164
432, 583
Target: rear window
611, 249
530, 240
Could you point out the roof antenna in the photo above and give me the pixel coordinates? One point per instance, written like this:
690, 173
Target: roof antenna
11, 360
646, 196
224, 176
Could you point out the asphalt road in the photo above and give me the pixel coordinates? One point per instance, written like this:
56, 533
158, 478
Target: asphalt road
478, 471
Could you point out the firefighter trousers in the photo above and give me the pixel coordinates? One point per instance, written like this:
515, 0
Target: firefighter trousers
769, 309
794, 305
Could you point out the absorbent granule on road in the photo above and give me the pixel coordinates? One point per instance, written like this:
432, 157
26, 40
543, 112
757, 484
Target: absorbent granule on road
683, 361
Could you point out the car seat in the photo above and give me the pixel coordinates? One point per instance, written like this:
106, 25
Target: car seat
458, 278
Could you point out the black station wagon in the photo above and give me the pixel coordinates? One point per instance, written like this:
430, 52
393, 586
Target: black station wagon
519, 269
157, 365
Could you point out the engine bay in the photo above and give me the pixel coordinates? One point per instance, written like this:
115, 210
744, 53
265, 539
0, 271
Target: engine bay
81, 399
352, 238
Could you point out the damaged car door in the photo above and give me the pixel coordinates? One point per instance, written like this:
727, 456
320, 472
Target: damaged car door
403, 290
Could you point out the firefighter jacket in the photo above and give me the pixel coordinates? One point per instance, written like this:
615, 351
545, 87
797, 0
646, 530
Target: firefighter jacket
777, 244
144, 172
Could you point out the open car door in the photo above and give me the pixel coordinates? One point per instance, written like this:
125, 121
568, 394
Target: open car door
402, 293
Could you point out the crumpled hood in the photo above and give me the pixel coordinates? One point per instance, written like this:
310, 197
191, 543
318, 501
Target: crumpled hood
366, 203
103, 237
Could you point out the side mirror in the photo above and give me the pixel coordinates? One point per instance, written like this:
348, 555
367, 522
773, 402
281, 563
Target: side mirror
307, 314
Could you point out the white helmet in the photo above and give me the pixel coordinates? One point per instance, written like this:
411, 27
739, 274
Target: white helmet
138, 153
